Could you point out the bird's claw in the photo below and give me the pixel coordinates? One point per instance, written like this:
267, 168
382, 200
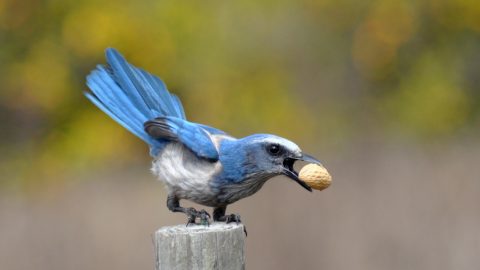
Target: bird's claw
229, 218
193, 214
204, 217
237, 219
190, 220
233, 218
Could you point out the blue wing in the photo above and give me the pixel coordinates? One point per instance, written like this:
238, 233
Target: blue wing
132, 96
194, 136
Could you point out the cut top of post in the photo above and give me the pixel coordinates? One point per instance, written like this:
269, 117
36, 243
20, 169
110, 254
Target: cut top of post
202, 229
218, 246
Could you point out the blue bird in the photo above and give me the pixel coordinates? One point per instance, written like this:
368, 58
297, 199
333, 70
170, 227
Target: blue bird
195, 162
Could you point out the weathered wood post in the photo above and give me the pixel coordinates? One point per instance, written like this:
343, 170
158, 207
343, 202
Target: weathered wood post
218, 246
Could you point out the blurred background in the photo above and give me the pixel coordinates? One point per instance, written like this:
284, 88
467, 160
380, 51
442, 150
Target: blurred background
385, 93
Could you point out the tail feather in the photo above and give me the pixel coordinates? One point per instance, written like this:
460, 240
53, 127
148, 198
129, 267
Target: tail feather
109, 98
146, 90
131, 96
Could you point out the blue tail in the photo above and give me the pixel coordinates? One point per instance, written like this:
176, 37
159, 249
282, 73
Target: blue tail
131, 96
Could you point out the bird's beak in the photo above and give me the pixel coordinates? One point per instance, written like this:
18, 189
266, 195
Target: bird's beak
290, 171
310, 159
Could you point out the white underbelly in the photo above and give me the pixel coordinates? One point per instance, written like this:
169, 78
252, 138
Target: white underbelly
184, 174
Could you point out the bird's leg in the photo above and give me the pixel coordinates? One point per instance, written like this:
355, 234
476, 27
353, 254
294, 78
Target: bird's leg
219, 215
173, 205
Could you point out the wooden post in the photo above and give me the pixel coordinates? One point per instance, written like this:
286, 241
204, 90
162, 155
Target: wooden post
218, 246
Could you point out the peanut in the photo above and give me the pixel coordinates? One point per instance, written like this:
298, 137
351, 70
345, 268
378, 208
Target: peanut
316, 176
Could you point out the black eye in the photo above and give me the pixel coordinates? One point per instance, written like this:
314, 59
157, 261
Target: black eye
274, 149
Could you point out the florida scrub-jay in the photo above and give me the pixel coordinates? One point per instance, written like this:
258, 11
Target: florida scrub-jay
195, 162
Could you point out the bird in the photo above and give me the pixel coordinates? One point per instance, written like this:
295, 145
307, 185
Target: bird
196, 162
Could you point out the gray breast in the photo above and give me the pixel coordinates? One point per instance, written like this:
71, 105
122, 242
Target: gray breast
232, 192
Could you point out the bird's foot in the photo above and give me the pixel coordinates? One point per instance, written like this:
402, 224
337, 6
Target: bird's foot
193, 214
232, 218
229, 218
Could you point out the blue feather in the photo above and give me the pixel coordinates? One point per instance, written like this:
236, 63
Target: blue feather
212, 130
132, 96
192, 135
233, 158
143, 87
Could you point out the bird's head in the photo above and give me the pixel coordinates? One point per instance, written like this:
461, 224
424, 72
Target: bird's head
272, 155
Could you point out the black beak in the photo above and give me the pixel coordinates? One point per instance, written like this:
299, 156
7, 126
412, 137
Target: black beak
310, 159
290, 172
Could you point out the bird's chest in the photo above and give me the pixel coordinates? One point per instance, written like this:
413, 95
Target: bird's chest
230, 192
184, 174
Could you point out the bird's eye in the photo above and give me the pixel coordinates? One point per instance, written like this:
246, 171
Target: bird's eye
274, 149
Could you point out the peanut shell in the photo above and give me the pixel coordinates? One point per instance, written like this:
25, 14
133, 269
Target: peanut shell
316, 176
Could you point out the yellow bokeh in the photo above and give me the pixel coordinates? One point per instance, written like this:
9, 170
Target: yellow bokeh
376, 41
436, 102
41, 80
